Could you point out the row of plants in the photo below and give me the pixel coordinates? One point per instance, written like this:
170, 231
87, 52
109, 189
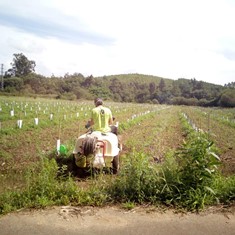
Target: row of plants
44, 113
218, 124
224, 116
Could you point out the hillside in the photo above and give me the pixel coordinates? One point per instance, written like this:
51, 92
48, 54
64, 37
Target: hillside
137, 88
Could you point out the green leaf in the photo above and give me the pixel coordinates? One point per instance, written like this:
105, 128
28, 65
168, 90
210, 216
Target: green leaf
208, 170
215, 155
209, 189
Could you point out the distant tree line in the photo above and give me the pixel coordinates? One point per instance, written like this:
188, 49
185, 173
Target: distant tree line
22, 80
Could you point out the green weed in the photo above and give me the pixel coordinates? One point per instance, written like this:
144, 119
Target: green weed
128, 205
224, 188
43, 188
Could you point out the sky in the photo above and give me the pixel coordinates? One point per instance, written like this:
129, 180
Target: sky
167, 38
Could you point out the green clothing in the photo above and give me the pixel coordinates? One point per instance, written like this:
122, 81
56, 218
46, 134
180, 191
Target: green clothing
101, 116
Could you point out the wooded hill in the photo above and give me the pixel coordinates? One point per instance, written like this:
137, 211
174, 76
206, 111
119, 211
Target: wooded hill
123, 88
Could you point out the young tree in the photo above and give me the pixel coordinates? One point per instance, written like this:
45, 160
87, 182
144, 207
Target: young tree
21, 66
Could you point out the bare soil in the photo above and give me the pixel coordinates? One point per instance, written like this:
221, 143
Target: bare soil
114, 220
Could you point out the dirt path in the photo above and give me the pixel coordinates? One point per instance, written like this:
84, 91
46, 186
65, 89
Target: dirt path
113, 220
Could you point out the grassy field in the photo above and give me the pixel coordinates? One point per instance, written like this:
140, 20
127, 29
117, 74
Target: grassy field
155, 140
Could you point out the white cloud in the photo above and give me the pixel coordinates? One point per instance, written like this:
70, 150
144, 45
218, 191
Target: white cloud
173, 39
